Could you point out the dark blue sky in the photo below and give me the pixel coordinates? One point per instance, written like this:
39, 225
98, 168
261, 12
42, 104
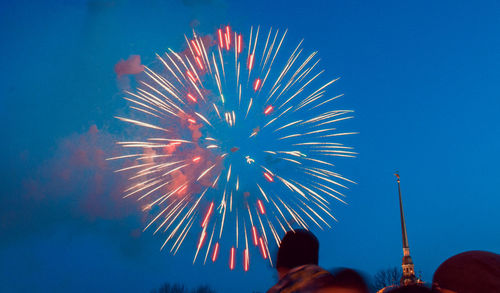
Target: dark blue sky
422, 77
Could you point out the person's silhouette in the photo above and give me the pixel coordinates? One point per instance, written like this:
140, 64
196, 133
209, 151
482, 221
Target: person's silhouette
297, 264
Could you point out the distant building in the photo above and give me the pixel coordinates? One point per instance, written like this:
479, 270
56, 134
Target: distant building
408, 277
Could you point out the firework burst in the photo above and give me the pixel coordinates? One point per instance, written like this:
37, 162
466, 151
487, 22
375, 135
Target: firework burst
237, 141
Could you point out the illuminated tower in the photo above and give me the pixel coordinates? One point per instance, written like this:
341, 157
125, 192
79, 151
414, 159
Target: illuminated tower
408, 277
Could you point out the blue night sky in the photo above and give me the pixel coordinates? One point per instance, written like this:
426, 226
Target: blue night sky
423, 79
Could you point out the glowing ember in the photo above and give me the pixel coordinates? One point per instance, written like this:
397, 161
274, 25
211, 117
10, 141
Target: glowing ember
246, 260
191, 97
202, 239
228, 37
250, 62
240, 41
261, 207
256, 84
221, 40
231, 258
197, 50
215, 252
268, 177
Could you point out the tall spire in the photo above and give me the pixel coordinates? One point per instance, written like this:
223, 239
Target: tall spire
408, 277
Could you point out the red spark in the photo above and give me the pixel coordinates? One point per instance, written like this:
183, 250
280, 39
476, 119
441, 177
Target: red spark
221, 41
246, 260
191, 120
216, 252
254, 234
207, 216
228, 37
268, 177
268, 109
191, 97
234, 149
262, 248
198, 52
256, 84
261, 207
232, 260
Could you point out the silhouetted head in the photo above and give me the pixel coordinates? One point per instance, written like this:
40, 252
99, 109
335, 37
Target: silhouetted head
344, 281
411, 289
297, 248
471, 271
350, 279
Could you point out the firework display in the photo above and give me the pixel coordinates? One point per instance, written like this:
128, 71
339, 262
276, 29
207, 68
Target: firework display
237, 142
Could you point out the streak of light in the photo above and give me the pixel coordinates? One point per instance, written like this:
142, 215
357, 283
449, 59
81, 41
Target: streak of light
139, 123
200, 243
249, 106
239, 47
199, 62
133, 167
261, 206
209, 245
208, 214
229, 173
262, 248
263, 193
217, 111
203, 118
254, 235
250, 62
191, 76
205, 172
124, 157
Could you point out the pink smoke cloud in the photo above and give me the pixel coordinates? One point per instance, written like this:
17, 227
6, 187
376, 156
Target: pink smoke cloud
77, 186
80, 168
130, 66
